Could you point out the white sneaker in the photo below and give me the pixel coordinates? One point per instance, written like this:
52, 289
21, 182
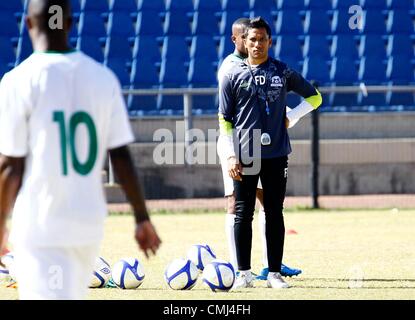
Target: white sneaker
275, 280
244, 280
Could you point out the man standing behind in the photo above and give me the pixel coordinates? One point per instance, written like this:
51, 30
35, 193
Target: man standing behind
240, 53
60, 113
252, 99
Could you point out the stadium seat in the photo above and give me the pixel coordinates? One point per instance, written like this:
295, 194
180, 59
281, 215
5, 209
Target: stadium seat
118, 48
340, 24
204, 47
175, 47
344, 71
9, 25
317, 69
226, 47
296, 64
91, 46
179, 5
373, 46
144, 74
289, 22
374, 4
139, 105
400, 69
121, 70
123, 5
76, 6
7, 54
120, 24
227, 19
94, 5
267, 15
319, 4
202, 73
290, 4
149, 23
205, 23
153, 5
400, 98
270, 5
208, 5
343, 99
344, 4
177, 23
317, 45
372, 71
173, 73
24, 48
148, 48
400, 21
374, 22
344, 46
91, 24
317, 22
400, 4
372, 99
400, 44
12, 6
288, 46
235, 6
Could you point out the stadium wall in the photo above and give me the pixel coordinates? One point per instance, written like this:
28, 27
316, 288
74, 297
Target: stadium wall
367, 153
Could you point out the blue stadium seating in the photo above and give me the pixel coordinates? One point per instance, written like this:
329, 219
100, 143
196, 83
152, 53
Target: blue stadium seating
204, 47
118, 48
144, 74
13, 6
177, 23
119, 67
267, 15
374, 4
374, 22
344, 46
400, 69
173, 73
149, 23
400, 21
76, 6
340, 24
400, 44
400, 98
129, 6
175, 47
148, 48
317, 69
291, 4
289, 22
319, 4
373, 46
208, 5
344, 4
91, 24
317, 45
317, 22
8, 25
202, 73
120, 24
7, 54
226, 47
92, 46
344, 71
288, 46
236, 6
205, 23
372, 71
400, 4
152, 5
24, 48
228, 17
95, 5
179, 5
270, 5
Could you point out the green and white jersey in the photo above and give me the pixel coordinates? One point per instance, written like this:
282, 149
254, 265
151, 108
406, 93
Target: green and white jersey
62, 112
227, 64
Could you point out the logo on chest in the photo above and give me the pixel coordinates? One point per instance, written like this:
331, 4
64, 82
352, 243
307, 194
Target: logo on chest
276, 82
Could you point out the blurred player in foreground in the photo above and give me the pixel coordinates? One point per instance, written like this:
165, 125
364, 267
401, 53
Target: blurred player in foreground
241, 53
252, 104
60, 113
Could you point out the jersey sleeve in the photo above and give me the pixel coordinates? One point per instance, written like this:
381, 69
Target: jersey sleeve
13, 120
120, 133
226, 99
296, 83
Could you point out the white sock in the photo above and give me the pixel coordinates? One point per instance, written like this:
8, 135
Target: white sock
261, 225
230, 235
247, 273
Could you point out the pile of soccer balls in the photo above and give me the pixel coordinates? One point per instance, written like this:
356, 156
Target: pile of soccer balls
182, 274
128, 273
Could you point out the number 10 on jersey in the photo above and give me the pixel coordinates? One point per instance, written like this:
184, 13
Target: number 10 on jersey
67, 137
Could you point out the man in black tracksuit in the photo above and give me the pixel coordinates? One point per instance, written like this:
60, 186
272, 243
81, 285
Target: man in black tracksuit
253, 118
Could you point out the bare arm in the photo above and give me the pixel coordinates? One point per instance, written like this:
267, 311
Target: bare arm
145, 233
11, 174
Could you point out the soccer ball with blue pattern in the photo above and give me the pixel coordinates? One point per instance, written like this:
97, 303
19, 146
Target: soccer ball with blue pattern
101, 274
128, 273
181, 274
201, 255
219, 275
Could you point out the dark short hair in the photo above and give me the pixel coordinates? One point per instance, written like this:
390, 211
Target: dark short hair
258, 23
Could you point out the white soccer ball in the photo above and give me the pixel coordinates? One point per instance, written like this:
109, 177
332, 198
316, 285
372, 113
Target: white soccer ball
219, 275
101, 274
181, 274
128, 273
200, 255
8, 261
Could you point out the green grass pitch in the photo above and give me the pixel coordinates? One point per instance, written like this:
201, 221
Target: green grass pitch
343, 254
